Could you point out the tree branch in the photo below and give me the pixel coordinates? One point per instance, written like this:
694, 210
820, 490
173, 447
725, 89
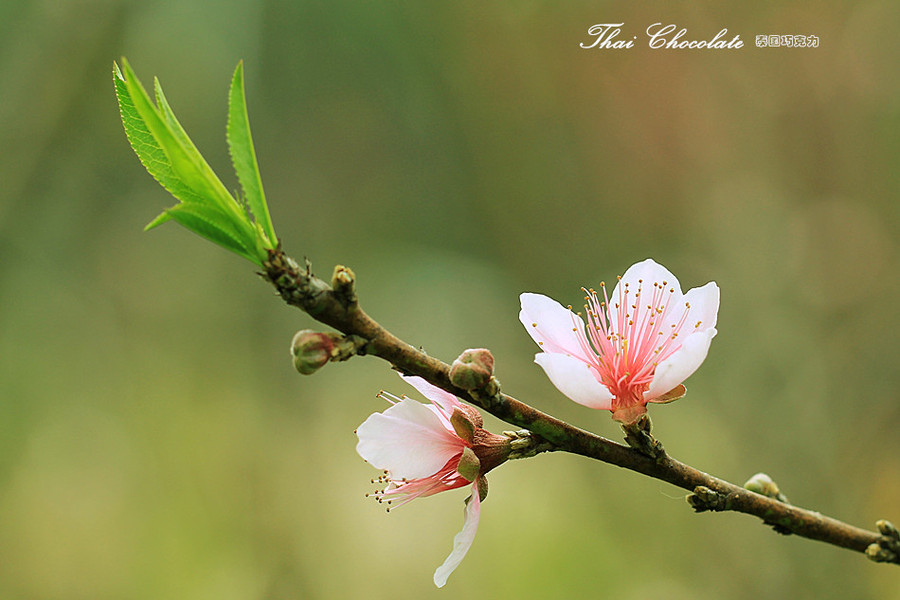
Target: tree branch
336, 305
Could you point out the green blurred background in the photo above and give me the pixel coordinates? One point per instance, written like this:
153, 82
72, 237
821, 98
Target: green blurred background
155, 441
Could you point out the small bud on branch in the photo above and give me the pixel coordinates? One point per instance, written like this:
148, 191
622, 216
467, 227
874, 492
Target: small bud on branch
473, 369
312, 350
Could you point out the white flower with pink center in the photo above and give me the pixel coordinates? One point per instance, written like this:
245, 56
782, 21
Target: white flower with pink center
638, 345
429, 448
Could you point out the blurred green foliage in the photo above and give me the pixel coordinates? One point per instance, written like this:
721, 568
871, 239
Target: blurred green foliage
155, 441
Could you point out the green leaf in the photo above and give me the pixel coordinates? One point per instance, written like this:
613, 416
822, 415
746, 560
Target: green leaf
243, 155
169, 155
214, 226
194, 166
146, 146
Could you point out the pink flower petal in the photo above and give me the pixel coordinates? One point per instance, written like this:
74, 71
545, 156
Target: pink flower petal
408, 439
704, 303
445, 400
462, 541
678, 367
575, 379
551, 325
642, 275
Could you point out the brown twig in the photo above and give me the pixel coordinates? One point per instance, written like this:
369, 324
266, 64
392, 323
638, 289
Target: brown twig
336, 305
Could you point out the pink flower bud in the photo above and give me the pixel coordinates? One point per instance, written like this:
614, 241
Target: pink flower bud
311, 350
473, 369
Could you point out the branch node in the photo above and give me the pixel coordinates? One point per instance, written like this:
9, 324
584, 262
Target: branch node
525, 444
887, 548
638, 436
297, 287
704, 499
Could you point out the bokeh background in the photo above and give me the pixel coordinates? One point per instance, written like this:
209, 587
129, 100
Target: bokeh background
155, 441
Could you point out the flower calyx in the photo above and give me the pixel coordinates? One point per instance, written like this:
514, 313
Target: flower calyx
485, 450
469, 466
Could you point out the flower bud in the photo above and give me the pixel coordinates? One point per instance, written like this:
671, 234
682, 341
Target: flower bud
473, 369
311, 350
887, 529
763, 484
879, 553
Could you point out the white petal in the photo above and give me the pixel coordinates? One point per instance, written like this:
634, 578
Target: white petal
575, 379
551, 325
643, 275
462, 541
678, 367
704, 303
445, 400
408, 439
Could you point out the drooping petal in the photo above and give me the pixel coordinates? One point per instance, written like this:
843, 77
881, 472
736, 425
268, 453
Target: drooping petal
551, 325
575, 379
462, 541
445, 400
678, 367
407, 439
